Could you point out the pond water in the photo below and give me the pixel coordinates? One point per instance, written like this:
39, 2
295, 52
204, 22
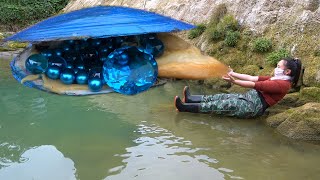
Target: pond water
113, 136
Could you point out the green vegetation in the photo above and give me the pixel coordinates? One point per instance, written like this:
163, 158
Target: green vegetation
17, 14
262, 45
310, 94
228, 23
232, 38
216, 35
275, 56
196, 32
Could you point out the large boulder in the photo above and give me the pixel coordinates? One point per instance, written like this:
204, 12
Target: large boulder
311, 94
301, 123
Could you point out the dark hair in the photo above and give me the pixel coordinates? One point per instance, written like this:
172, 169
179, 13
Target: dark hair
294, 64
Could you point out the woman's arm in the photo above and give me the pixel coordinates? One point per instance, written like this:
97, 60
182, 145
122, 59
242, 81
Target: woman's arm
245, 77
246, 84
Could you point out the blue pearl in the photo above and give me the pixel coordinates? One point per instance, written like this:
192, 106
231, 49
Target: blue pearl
67, 76
66, 48
58, 61
95, 84
82, 77
57, 52
95, 42
53, 72
69, 65
130, 70
154, 47
36, 64
96, 72
79, 65
47, 53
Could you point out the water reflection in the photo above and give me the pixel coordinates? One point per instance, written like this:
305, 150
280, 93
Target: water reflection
43, 162
161, 155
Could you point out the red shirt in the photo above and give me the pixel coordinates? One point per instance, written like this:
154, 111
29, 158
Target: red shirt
272, 90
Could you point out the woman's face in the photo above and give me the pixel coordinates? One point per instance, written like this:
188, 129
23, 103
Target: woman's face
282, 65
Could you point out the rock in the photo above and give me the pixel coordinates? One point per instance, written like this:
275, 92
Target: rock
310, 94
291, 100
301, 123
312, 71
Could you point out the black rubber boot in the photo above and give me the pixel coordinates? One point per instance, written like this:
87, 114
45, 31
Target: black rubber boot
188, 98
186, 107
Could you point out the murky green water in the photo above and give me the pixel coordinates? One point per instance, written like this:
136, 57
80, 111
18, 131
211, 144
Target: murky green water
47, 136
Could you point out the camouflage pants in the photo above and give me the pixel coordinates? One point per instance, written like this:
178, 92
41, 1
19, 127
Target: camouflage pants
246, 105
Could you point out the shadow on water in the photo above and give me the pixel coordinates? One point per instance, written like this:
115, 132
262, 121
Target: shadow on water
46, 136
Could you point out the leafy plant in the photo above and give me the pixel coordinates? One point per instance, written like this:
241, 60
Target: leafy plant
196, 32
228, 23
276, 56
213, 34
232, 38
262, 45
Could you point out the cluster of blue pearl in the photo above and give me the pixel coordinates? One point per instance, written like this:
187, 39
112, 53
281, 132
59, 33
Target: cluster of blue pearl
95, 62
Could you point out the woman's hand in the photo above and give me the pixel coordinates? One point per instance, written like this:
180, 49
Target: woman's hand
228, 78
230, 71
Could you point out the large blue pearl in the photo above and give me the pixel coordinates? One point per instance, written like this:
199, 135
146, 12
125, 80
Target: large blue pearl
36, 64
95, 84
82, 77
67, 76
130, 70
53, 72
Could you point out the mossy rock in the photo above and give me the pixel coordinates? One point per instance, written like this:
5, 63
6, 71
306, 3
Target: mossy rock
1, 36
266, 71
17, 45
301, 123
312, 71
310, 94
235, 59
5, 48
292, 100
250, 69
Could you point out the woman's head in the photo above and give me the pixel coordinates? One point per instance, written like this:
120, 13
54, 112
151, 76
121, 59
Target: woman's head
291, 67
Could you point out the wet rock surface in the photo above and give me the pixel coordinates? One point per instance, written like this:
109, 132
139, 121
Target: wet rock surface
301, 123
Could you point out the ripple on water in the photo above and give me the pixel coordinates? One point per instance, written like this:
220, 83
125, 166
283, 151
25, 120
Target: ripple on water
158, 150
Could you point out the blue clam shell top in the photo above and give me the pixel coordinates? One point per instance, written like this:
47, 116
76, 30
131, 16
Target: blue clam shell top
99, 22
